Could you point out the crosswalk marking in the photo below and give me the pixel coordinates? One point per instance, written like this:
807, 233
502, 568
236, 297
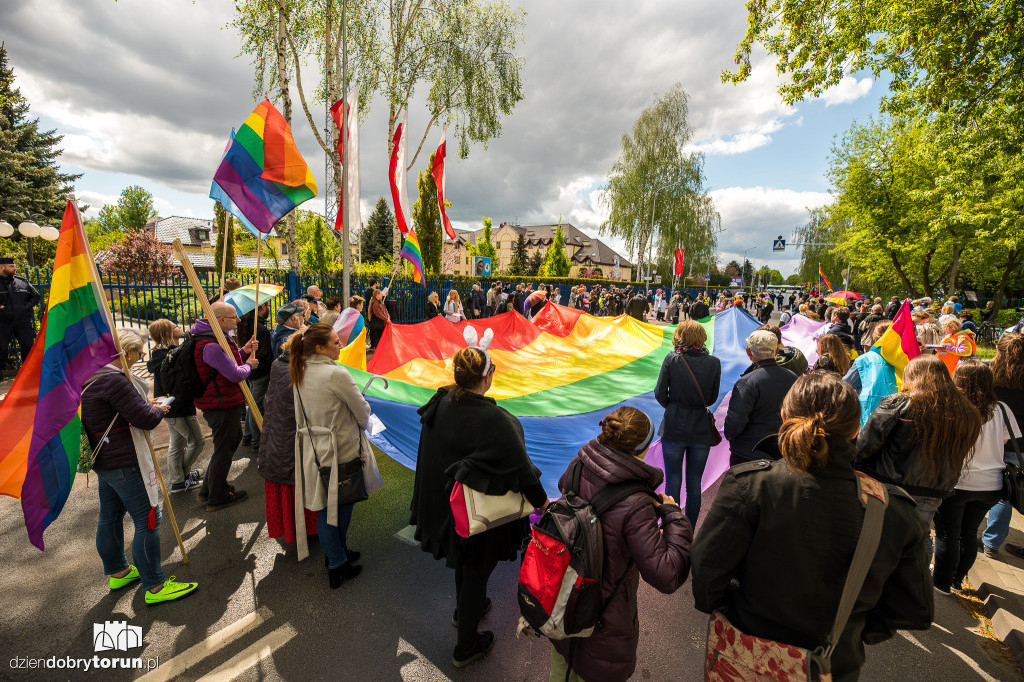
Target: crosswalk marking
252, 654
189, 657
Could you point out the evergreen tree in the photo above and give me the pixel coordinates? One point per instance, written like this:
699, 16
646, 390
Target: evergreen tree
533, 265
224, 225
484, 248
519, 258
556, 261
427, 220
30, 180
376, 237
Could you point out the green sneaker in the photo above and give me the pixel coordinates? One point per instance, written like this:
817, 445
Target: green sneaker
170, 591
125, 580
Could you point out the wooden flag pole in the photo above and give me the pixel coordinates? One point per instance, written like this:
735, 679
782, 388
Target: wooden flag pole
256, 310
128, 374
223, 251
204, 303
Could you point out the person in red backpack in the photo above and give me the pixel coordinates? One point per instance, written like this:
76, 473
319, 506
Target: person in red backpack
222, 400
634, 545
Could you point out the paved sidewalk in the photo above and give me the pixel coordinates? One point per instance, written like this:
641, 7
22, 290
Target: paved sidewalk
999, 583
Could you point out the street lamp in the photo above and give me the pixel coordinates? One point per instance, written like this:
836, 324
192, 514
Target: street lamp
29, 229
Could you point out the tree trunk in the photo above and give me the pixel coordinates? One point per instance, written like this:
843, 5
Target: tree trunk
926, 275
1011, 263
286, 102
899, 271
954, 268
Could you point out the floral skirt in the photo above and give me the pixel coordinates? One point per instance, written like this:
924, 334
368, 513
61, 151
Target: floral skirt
280, 500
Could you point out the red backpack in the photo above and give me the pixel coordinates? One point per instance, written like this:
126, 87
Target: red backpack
560, 579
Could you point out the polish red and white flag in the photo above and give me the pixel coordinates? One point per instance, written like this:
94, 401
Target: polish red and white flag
437, 171
396, 174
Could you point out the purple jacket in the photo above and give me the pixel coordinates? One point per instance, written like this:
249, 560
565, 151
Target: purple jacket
108, 393
660, 555
222, 389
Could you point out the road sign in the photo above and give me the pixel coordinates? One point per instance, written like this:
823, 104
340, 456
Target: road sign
779, 244
707, 275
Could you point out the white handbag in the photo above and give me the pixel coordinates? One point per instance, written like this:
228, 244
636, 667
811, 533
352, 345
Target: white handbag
474, 512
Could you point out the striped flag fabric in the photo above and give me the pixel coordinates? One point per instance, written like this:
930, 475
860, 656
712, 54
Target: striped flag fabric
437, 171
349, 125
396, 175
411, 252
39, 417
262, 176
822, 279
680, 265
898, 345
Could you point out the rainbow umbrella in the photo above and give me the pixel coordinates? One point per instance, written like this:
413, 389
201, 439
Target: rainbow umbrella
534, 298
244, 298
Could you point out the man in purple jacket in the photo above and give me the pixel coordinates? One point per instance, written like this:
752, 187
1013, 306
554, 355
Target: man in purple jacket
222, 400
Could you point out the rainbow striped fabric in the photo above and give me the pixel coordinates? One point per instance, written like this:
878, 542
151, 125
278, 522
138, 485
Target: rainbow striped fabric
411, 252
560, 373
822, 279
39, 417
262, 176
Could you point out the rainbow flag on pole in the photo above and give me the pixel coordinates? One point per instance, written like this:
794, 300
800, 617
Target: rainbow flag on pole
411, 253
898, 345
822, 279
39, 417
262, 176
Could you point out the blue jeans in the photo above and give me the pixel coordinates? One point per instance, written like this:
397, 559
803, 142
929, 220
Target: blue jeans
998, 526
696, 456
122, 490
258, 388
334, 539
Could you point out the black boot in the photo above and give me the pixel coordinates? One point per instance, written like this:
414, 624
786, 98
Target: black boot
347, 571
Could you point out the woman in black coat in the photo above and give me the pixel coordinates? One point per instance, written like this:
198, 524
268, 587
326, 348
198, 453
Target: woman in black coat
777, 543
275, 461
433, 306
686, 431
466, 437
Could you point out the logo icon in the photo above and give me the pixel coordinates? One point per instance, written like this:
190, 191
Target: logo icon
115, 635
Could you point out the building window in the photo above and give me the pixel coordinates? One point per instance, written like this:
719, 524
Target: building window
284, 248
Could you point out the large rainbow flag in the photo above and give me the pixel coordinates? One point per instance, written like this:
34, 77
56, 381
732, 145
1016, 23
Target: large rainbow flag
262, 176
39, 417
822, 279
560, 373
411, 252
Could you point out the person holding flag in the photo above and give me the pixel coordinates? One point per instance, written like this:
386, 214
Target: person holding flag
114, 408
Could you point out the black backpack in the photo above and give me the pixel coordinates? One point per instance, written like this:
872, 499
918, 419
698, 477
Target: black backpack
178, 372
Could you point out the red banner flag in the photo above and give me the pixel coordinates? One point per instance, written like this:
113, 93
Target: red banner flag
351, 108
680, 267
437, 171
396, 175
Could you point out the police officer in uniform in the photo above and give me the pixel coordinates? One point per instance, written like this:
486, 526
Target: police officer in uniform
17, 299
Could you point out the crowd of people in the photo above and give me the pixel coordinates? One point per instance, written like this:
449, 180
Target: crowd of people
774, 547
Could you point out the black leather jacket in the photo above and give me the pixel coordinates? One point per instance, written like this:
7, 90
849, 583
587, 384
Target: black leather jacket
889, 449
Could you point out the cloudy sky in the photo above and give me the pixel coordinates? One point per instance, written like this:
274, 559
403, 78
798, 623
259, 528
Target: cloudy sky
145, 93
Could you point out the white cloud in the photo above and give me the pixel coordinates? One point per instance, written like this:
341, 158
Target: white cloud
94, 200
848, 89
753, 216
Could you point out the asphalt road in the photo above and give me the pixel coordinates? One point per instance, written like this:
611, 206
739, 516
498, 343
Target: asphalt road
261, 615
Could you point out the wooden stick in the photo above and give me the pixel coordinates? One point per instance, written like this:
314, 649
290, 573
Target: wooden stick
256, 310
128, 375
190, 272
223, 251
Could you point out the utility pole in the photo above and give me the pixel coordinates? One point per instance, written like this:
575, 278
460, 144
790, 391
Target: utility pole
346, 248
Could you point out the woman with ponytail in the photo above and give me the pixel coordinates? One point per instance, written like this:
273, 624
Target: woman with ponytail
465, 437
331, 417
777, 543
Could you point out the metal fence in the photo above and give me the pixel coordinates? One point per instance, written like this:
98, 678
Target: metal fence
136, 299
